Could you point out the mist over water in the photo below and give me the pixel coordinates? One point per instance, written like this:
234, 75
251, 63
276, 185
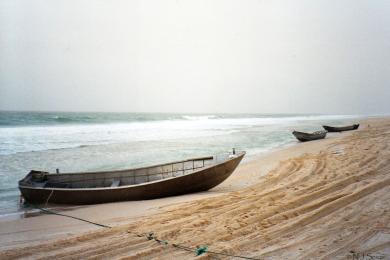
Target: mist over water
76, 142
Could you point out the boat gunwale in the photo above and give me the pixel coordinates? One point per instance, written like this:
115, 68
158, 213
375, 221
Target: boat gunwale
311, 133
134, 169
241, 154
342, 126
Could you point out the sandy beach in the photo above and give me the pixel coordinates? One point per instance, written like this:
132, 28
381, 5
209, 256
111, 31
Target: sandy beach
327, 199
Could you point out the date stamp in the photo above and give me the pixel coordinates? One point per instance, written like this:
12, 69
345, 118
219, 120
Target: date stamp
364, 256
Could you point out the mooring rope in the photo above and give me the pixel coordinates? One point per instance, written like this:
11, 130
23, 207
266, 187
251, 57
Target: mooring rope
198, 250
69, 216
47, 201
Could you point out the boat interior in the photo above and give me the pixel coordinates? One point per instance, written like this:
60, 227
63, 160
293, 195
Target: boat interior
117, 178
312, 133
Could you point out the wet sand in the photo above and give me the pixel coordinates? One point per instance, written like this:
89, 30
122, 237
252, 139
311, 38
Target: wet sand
327, 199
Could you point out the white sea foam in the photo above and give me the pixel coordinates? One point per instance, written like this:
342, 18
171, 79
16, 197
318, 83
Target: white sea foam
37, 138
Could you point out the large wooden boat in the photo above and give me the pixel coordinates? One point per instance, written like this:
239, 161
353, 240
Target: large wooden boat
340, 128
176, 178
304, 137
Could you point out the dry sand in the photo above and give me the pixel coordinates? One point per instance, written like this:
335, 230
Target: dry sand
326, 199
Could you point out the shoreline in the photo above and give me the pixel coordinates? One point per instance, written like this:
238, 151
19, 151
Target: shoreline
257, 139
254, 173
241, 178
22, 214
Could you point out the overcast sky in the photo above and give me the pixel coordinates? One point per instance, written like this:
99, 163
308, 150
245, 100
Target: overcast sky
330, 57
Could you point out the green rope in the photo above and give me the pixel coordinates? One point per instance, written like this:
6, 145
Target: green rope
199, 250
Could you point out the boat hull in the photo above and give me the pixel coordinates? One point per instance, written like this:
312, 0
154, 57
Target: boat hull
305, 137
201, 180
340, 129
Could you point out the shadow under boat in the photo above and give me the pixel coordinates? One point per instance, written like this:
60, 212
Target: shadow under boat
176, 178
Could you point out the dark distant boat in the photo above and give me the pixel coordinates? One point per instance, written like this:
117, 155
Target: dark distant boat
341, 128
176, 178
303, 137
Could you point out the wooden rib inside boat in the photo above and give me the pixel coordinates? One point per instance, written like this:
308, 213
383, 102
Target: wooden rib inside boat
304, 137
176, 178
340, 128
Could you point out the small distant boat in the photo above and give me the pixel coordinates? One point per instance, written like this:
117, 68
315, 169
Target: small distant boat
176, 178
304, 137
341, 128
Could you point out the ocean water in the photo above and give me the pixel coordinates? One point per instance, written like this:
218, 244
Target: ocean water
101, 141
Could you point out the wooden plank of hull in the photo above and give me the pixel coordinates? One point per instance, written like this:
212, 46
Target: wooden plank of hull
340, 129
201, 180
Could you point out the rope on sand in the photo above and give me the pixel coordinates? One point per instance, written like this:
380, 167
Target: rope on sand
199, 250
64, 215
69, 216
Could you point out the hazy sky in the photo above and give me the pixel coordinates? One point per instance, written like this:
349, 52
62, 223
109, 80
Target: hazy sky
309, 56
